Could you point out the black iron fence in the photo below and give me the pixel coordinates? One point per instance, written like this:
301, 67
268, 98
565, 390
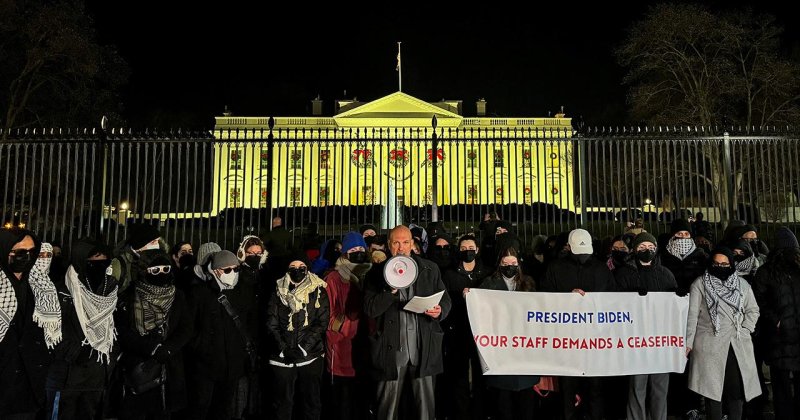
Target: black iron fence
220, 185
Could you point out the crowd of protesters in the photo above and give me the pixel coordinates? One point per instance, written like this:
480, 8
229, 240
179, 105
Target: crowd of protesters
311, 329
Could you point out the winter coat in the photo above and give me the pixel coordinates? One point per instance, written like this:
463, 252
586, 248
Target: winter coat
137, 348
566, 274
507, 382
346, 304
686, 270
710, 352
777, 291
456, 327
647, 278
383, 307
310, 337
217, 350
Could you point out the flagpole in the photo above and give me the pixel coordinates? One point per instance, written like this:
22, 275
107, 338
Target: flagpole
399, 70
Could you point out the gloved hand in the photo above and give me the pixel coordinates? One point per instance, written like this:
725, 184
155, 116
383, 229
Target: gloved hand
681, 292
642, 292
162, 355
292, 355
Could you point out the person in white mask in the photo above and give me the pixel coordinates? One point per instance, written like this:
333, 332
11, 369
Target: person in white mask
218, 355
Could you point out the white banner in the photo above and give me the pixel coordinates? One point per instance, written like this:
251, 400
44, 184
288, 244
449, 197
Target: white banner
566, 334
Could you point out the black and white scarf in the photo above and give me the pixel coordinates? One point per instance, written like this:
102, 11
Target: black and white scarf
299, 297
728, 291
151, 306
747, 265
95, 314
46, 310
681, 247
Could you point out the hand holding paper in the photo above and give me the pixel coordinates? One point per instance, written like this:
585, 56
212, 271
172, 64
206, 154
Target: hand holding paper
422, 304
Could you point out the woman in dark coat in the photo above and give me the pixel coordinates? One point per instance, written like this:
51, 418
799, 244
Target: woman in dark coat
154, 322
86, 357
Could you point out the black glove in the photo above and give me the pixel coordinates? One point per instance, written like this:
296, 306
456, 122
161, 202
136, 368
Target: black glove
681, 292
162, 355
292, 355
642, 292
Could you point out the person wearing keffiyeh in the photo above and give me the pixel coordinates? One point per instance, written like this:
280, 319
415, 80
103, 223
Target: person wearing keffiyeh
30, 323
722, 315
85, 358
682, 257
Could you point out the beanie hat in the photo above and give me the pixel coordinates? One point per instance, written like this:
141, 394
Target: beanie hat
644, 237
141, 234
441, 235
784, 238
580, 242
366, 227
352, 240
223, 259
205, 251
724, 251
679, 225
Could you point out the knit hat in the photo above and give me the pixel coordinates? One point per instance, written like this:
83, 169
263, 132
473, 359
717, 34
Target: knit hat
679, 225
222, 259
205, 251
784, 238
366, 227
141, 234
644, 237
441, 235
724, 251
580, 242
352, 240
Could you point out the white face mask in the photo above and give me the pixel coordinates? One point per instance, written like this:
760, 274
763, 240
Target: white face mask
229, 279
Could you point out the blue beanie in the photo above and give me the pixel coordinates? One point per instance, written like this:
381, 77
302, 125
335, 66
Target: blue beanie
352, 240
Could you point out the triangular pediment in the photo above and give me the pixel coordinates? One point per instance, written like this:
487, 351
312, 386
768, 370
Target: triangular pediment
397, 109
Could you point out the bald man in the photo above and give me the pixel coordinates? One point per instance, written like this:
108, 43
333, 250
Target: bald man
405, 345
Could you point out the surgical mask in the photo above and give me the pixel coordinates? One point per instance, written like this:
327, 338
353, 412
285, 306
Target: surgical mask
646, 255
440, 255
229, 279
297, 274
252, 261
358, 257
620, 257
187, 261
468, 255
509, 271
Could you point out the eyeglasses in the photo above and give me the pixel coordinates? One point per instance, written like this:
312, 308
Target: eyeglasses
159, 269
229, 269
724, 265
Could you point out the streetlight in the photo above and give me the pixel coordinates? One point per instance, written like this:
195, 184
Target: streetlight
648, 201
123, 206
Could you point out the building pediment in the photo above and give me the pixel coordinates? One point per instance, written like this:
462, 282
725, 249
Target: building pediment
397, 110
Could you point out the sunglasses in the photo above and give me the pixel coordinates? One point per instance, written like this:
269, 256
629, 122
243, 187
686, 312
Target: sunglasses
229, 269
159, 269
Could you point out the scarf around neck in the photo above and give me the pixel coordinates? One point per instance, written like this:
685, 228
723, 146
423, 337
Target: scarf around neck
728, 291
681, 247
351, 272
298, 298
151, 306
95, 315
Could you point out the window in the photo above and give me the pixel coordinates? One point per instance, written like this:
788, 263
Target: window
498, 195
236, 159
263, 198
526, 157
428, 195
369, 196
264, 159
325, 159
296, 196
296, 159
323, 196
498, 158
235, 197
472, 158
472, 194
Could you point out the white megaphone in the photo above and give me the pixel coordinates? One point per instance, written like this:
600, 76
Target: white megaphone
400, 271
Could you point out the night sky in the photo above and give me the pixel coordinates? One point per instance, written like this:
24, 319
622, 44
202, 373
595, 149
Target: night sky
189, 61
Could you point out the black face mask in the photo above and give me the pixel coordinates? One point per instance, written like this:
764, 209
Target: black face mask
721, 273
509, 271
581, 258
440, 255
161, 280
620, 257
96, 274
331, 255
739, 257
358, 257
186, 261
297, 274
22, 262
754, 245
646, 255
468, 255
252, 261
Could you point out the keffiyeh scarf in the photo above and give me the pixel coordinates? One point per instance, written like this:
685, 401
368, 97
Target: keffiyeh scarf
681, 247
95, 314
728, 291
151, 306
298, 298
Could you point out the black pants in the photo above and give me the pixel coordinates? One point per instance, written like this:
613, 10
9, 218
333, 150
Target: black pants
460, 399
340, 401
732, 392
302, 382
512, 405
786, 399
591, 392
74, 404
210, 399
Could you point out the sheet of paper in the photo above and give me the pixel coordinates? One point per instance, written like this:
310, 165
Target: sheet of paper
421, 304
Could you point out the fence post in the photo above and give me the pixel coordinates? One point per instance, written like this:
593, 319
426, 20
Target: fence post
728, 173
582, 178
103, 142
270, 184
434, 158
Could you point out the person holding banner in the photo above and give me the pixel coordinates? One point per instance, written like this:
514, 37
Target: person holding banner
646, 276
405, 345
579, 273
514, 394
722, 315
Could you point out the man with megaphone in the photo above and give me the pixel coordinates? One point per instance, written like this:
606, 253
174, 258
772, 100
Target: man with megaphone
405, 345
